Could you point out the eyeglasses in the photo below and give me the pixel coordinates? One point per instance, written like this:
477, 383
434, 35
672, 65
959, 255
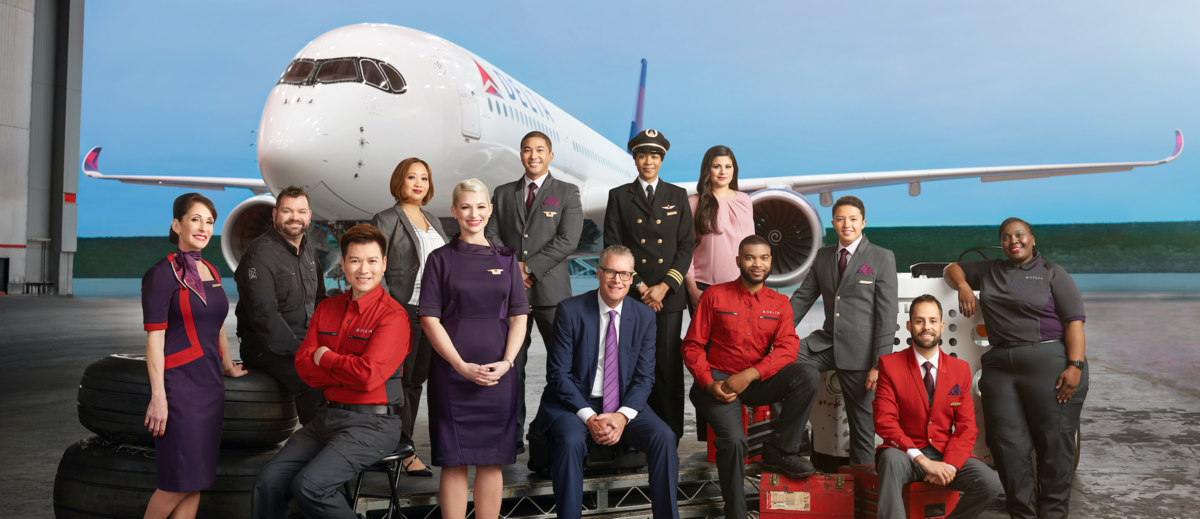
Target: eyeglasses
622, 275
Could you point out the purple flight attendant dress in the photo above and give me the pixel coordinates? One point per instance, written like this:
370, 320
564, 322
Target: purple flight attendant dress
473, 289
187, 454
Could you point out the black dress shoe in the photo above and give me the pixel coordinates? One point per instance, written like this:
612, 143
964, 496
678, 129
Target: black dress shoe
420, 473
521, 448
793, 466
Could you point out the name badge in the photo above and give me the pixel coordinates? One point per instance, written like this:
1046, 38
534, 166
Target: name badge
550, 214
216, 285
672, 213
952, 404
865, 282
496, 272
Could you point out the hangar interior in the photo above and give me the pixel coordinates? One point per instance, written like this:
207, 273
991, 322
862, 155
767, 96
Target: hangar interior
41, 67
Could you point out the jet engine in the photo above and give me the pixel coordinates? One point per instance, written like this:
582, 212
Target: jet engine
789, 222
246, 222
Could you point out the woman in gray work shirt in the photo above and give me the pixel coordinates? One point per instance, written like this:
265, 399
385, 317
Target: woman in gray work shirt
1035, 377
412, 233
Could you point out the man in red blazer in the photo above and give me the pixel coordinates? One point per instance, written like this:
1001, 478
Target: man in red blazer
926, 417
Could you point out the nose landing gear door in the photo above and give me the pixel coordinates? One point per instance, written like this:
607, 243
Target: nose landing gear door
467, 87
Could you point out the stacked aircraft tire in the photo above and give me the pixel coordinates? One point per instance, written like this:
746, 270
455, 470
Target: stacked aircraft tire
113, 474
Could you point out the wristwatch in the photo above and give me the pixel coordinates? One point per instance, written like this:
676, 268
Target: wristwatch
639, 285
1076, 363
528, 270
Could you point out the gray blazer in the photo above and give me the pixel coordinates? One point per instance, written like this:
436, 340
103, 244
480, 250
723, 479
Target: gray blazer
403, 251
860, 311
544, 238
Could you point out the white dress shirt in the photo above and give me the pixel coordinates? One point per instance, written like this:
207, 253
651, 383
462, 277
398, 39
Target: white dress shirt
921, 360
598, 384
852, 247
540, 180
643, 183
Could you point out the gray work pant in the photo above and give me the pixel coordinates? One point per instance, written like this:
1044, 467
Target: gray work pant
544, 317
979, 483
857, 399
334, 447
1022, 414
795, 386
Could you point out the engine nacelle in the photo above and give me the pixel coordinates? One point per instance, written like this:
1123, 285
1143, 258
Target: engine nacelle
246, 222
790, 223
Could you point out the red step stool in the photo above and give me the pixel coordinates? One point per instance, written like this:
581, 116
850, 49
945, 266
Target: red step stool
753, 454
820, 496
921, 500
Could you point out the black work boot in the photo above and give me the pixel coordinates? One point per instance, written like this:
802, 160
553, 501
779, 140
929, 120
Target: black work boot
793, 466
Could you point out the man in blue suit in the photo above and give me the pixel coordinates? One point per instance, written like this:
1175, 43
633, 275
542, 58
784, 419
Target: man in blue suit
599, 372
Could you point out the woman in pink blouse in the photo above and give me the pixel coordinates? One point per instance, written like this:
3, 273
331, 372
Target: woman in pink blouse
722, 217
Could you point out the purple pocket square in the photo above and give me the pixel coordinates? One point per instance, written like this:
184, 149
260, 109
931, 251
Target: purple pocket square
956, 390
550, 200
866, 269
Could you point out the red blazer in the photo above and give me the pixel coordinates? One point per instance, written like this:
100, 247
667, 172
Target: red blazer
904, 418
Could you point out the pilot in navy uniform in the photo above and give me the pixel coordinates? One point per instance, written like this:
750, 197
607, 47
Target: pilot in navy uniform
653, 219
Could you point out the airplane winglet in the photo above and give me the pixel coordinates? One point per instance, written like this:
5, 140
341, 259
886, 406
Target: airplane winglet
1178, 147
636, 126
91, 163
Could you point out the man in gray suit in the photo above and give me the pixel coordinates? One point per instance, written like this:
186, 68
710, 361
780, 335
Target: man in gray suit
541, 217
857, 282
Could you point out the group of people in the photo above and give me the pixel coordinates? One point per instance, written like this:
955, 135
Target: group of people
453, 312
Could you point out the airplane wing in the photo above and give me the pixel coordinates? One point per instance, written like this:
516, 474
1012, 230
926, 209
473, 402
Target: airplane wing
91, 168
825, 184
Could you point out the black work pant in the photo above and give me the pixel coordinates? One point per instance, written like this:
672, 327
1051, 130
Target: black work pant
544, 317
795, 386
416, 372
666, 396
334, 447
859, 402
1022, 414
978, 483
283, 369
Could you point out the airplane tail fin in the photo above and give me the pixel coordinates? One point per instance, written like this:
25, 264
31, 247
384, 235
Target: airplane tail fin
91, 163
636, 126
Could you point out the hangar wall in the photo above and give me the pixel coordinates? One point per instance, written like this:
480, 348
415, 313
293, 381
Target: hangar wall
41, 67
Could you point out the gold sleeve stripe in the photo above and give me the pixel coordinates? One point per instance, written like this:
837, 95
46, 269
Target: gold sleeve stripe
675, 275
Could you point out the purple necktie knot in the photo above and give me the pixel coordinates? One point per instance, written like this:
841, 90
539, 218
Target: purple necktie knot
612, 373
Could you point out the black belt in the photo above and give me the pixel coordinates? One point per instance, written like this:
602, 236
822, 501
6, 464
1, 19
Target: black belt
1015, 344
366, 408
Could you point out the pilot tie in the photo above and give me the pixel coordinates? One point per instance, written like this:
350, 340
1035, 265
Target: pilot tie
612, 375
650, 193
929, 385
529, 199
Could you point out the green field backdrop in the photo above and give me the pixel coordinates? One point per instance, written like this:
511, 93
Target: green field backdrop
1090, 248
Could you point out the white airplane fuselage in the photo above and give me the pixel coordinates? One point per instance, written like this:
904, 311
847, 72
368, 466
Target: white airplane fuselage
341, 141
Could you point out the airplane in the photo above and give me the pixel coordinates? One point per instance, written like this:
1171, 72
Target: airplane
357, 100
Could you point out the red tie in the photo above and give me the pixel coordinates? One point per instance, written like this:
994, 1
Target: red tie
529, 199
929, 385
842, 262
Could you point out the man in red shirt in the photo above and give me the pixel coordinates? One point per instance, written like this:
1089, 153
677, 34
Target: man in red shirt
751, 360
355, 345
926, 416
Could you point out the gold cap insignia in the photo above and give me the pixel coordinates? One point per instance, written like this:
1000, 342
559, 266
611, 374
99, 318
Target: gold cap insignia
651, 133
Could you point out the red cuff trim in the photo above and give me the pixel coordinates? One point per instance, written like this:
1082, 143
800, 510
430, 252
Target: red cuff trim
153, 327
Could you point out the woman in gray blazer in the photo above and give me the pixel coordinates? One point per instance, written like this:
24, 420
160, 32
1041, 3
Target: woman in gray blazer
412, 233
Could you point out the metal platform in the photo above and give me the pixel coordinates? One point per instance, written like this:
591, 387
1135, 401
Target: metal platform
529, 496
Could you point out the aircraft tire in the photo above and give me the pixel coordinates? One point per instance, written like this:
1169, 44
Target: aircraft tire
115, 391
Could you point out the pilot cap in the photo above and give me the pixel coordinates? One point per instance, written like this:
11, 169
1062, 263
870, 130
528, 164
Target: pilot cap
649, 141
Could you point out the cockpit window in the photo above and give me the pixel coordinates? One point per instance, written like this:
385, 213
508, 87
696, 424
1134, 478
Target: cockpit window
336, 71
371, 74
395, 79
298, 72
308, 72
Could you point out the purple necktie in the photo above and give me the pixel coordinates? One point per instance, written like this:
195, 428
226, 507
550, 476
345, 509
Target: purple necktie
842, 263
532, 194
612, 391
929, 386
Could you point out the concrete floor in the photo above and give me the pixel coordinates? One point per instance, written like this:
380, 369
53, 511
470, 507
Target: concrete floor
1141, 423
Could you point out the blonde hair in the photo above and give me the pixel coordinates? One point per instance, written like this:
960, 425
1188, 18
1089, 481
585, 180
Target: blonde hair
470, 184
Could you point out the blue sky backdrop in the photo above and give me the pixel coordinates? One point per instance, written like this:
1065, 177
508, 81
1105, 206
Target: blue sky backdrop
793, 87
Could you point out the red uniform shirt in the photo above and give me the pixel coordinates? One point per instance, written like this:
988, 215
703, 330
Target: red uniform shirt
745, 330
368, 339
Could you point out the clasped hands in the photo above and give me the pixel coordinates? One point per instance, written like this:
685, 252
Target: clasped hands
484, 375
606, 429
653, 296
727, 390
936, 472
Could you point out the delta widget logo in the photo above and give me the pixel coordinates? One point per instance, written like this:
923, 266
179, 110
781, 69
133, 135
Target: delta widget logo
489, 85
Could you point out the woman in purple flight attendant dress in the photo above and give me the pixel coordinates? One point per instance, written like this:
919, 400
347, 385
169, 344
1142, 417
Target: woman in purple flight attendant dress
184, 308
473, 309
